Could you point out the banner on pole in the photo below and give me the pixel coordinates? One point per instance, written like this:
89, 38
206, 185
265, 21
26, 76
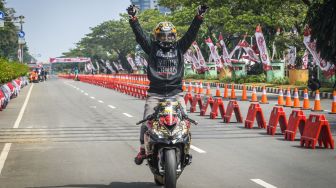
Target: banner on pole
262, 49
226, 57
70, 60
214, 54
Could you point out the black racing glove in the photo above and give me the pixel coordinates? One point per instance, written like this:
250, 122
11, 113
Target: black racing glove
132, 10
201, 10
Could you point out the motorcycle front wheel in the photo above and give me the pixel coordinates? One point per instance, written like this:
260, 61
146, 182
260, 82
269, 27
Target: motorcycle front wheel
170, 169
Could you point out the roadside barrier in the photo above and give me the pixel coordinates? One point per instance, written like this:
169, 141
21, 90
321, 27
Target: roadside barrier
296, 99
196, 100
233, 107
233, 93
333, 104
11, 90
255, 112
264, 96
317, 103
317, 130
280, 98
297, 120
218, 104
188, 98
305, 105
226, 92
209, 101
254, 97
288, 98
244, 94
278, 116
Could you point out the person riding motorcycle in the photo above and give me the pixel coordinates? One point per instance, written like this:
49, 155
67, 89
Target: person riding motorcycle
166, 63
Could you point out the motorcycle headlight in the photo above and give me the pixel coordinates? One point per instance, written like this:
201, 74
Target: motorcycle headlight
157, 133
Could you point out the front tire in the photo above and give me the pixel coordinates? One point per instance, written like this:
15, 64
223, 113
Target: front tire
170, 169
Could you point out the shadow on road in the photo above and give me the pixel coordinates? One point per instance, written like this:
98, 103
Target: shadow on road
111, 185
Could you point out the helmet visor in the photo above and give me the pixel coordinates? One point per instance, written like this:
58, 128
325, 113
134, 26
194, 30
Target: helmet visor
166, 37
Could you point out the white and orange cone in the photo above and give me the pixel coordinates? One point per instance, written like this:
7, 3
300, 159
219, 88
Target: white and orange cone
317, 103
333, 104
184, 88
208, 90
296, 99
200, 89
190, 87
280, 98
218, 93
288, 98
264, 96
254, 97
244, 94
306, 103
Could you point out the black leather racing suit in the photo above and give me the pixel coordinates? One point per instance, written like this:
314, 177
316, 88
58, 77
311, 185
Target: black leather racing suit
165, 64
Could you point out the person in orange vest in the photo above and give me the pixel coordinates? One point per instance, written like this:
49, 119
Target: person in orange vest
166, 62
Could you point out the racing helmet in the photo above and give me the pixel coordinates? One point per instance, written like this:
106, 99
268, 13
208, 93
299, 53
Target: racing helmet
165, 32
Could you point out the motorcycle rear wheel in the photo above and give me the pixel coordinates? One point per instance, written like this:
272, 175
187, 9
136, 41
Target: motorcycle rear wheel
170, 169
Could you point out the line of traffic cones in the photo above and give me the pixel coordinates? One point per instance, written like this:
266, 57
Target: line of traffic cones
317, 102
208, 90
244, 94
233, 93
218, 93
226, 92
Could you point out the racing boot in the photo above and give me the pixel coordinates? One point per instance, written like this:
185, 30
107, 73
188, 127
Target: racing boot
140, 157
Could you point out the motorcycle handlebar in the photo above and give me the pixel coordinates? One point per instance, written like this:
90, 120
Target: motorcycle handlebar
184, 117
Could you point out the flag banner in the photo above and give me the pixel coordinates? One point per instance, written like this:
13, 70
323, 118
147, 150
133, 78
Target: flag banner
200, 57
97, 66
226, 57
327, 68
214, 54
251, 55
131, 62
143, 61
291, 55
262, 49
305, 59
70, 60
108, 66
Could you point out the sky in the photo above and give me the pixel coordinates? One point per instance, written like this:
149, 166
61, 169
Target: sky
55, 26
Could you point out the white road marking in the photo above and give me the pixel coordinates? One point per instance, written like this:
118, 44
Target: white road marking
92, 97
4, 154
113, 107
77, 88
197, 149
262, 183
86, 94
6, 149
100, 101
93, 106
128, 115
327, 111
82, 91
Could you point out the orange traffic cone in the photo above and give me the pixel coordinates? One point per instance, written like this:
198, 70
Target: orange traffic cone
288, 98
333, 104
190, 87
244, 94
218, 93
317, 103
305, 105
226, 92
200, 89
184, 88
233, 93
254, 95
280, 98
296, 99
208, 90
264, 96
196, 88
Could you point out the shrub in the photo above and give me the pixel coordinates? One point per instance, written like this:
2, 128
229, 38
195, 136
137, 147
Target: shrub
11, 70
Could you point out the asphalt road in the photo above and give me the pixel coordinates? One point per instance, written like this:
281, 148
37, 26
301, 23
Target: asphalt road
73, 134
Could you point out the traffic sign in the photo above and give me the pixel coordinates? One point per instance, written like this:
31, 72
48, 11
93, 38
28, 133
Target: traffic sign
2, 15
21, 34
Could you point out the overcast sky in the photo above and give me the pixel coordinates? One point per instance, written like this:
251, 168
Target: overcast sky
54, 26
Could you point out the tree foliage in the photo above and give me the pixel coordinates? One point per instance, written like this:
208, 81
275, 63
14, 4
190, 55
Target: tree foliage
11, 70
234, 18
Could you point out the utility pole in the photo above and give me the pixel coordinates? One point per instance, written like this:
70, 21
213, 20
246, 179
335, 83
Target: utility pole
20, 55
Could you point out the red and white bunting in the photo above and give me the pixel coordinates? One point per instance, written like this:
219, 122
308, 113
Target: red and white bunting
251, 55
263, 49
70, 60
225, 56
214, 54
327, 68
200, 57
305, 59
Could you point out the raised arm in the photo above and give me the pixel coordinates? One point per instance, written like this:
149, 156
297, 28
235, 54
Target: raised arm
140, 36
189, 37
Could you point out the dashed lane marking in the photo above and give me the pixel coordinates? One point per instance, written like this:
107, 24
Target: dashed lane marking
86, 94
92, 97
100, 101
263, 183
113, 107
197, 149
128, 115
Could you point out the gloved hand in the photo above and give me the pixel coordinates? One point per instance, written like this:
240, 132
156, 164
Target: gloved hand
132, 10
201, 10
